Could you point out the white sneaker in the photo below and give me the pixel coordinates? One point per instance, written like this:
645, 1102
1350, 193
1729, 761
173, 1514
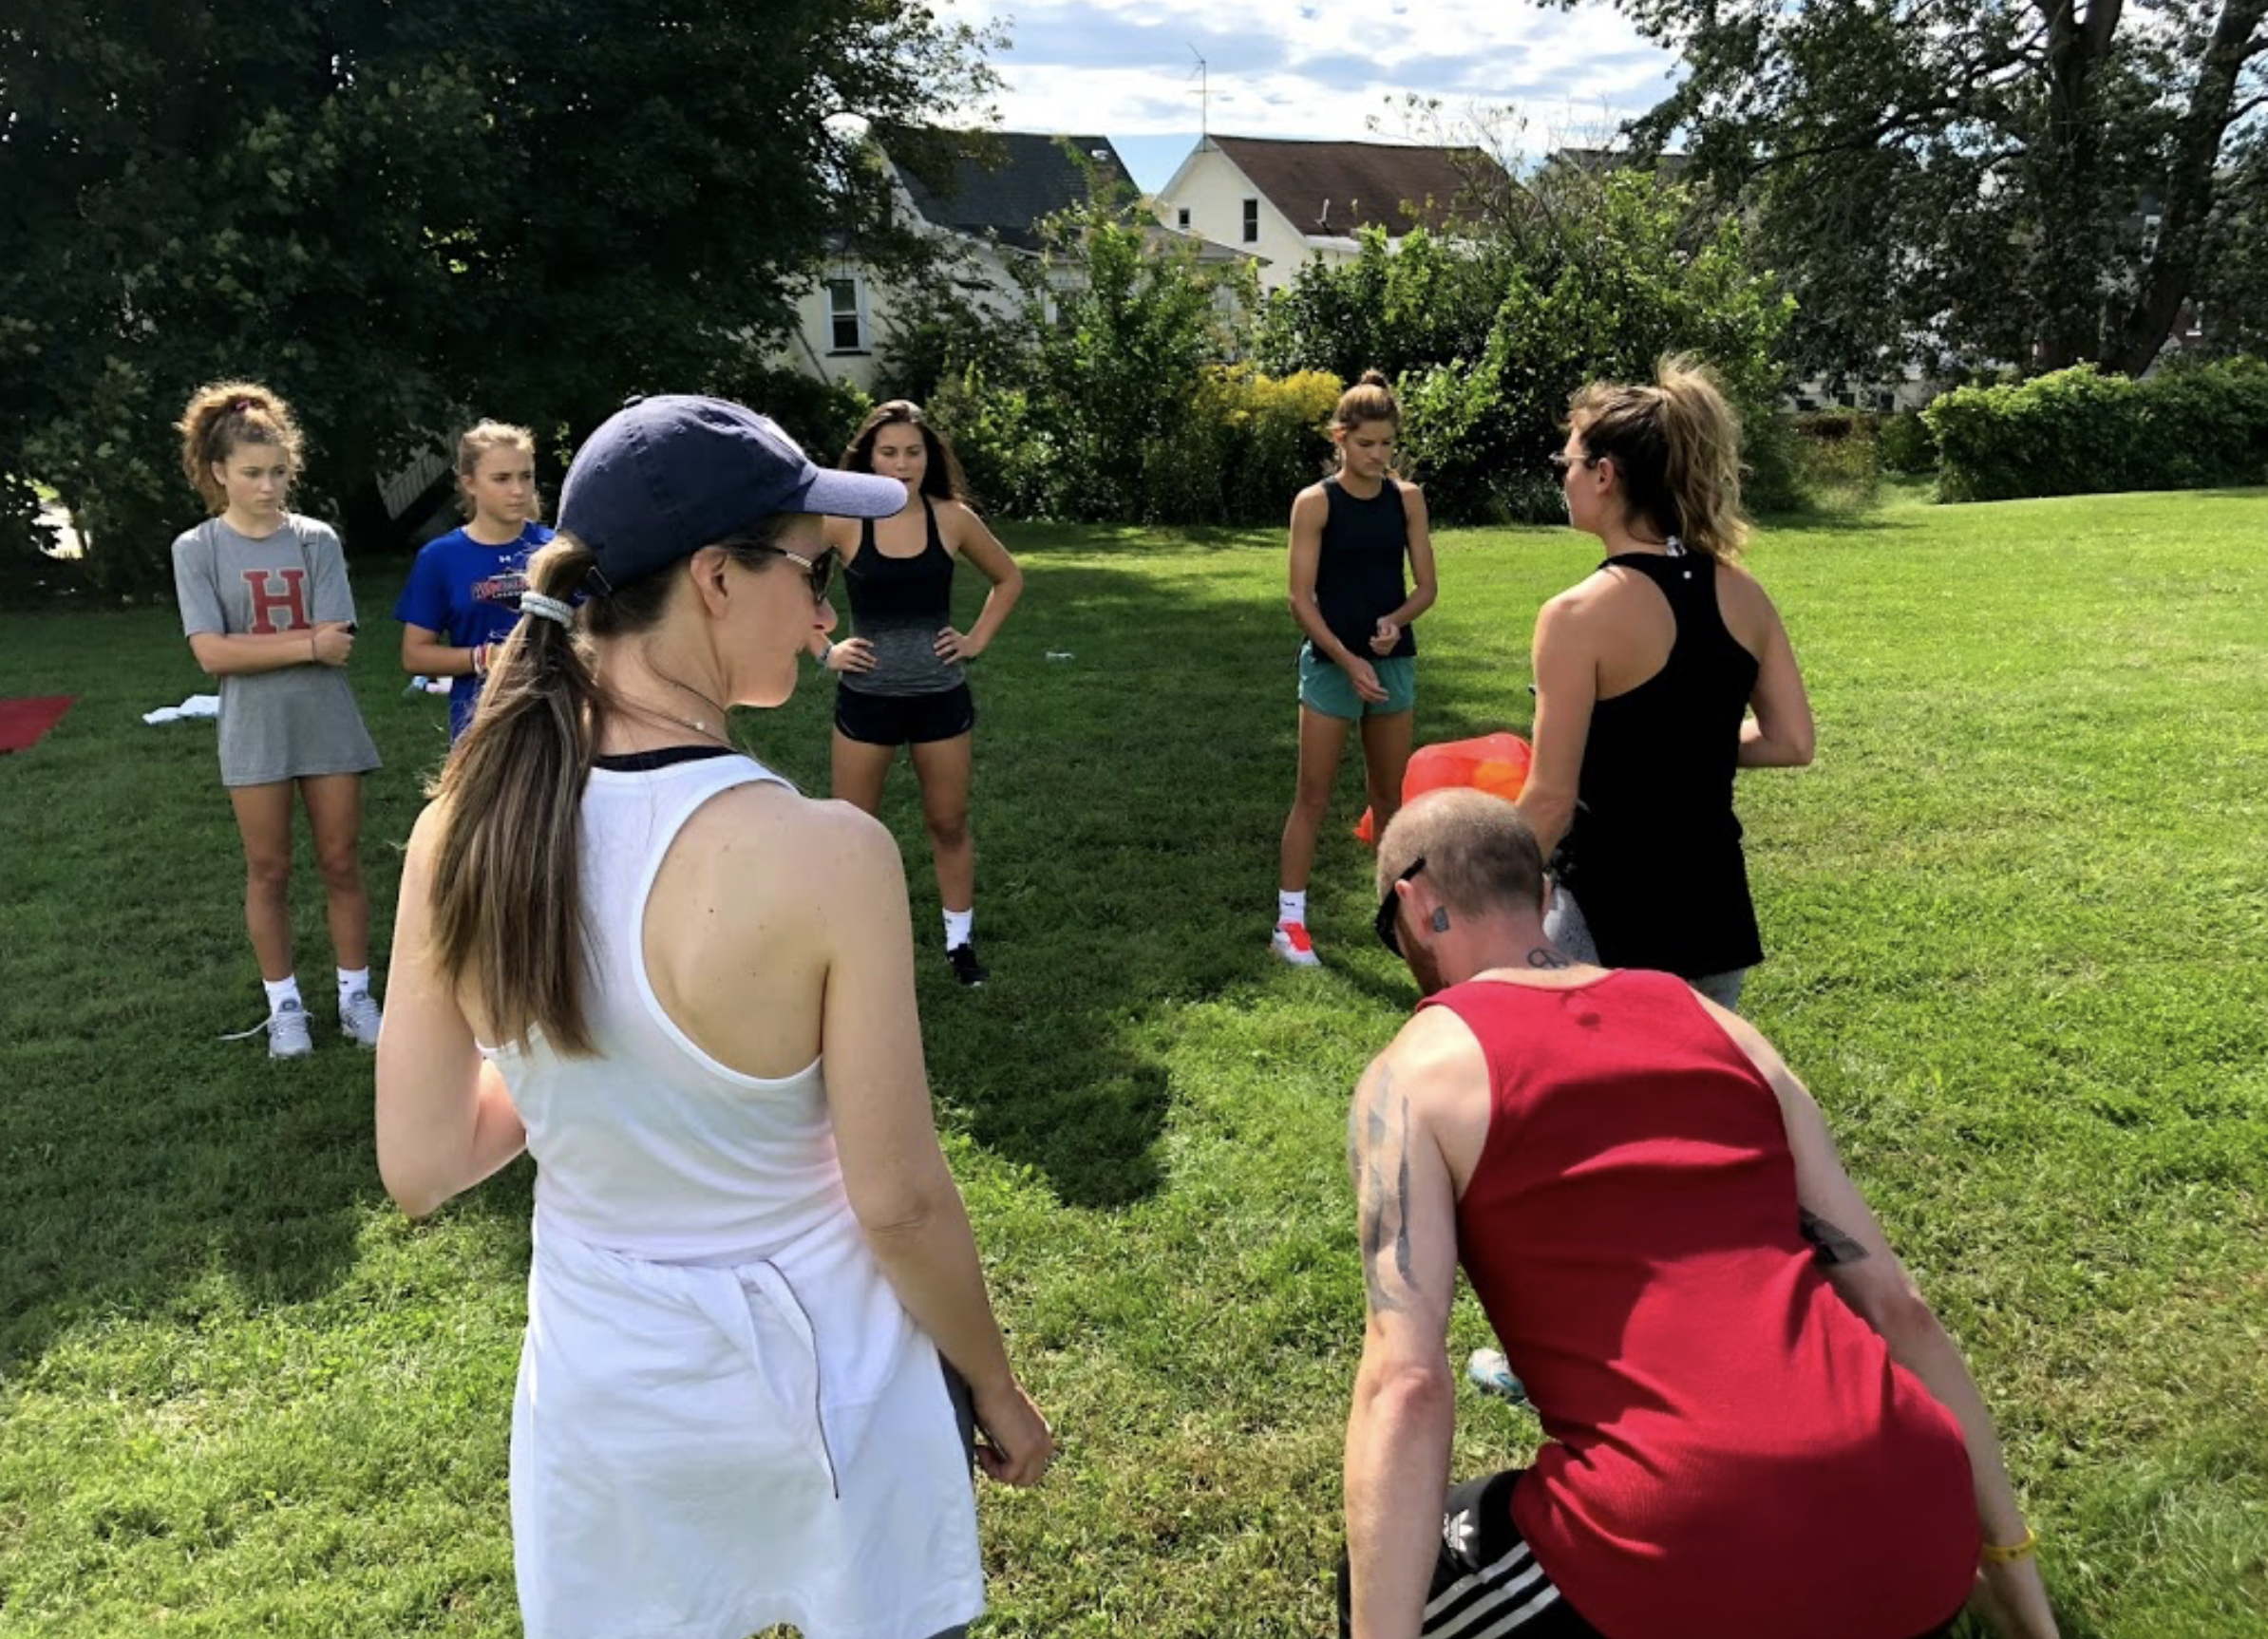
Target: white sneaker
289, 1036
1291, 943
359, 1018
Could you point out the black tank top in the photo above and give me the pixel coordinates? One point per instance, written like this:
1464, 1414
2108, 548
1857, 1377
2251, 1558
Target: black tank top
1653, 855
899, 605
1358, 573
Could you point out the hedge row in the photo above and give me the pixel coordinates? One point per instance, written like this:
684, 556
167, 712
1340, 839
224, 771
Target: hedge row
2077, 432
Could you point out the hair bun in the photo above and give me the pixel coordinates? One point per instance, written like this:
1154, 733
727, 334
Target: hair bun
1374, 379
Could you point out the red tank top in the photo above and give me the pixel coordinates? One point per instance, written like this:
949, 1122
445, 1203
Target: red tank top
1731, 1450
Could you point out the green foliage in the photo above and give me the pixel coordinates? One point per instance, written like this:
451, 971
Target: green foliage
2080, 432
1278, 437
1122, 324
1972, 180
1839, 459
1631, 271
402, 216
1010, 463
1421, 301
1907, 445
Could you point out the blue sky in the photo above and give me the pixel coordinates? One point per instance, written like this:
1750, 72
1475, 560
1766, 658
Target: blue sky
1126, 70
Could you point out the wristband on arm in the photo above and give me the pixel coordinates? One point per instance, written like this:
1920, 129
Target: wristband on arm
1997, 1554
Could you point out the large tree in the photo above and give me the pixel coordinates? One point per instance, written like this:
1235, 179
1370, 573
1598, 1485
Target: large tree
2033, 180
402, 213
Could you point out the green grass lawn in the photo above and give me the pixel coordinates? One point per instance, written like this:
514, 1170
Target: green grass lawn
2017, 917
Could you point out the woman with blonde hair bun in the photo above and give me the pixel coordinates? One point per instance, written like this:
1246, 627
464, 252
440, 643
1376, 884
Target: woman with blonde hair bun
1646, 675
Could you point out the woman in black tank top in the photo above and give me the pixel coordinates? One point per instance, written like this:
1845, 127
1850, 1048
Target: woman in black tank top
903, 679
1351, 536
1645, 674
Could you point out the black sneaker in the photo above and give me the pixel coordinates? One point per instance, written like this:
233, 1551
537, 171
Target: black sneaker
966, 967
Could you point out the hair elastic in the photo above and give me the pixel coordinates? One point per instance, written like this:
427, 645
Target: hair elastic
547, 608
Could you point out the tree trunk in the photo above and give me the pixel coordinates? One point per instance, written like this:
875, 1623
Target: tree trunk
2168, 280
2070, 325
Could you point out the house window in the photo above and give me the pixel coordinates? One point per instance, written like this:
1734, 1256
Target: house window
846, 314
1181, 218
1252, 221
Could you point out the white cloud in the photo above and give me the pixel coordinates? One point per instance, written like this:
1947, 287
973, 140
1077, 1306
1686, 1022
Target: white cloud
1308, 69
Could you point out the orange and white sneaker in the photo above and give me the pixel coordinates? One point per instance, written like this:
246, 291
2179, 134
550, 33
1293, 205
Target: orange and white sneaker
1291, 943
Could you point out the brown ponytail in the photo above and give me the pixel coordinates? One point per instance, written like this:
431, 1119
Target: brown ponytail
1676, 450
507, 875
1368, 400
220, 417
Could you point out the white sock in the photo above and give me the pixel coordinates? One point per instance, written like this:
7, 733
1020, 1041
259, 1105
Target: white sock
282, 991
1290, 907
959, 927
352, 980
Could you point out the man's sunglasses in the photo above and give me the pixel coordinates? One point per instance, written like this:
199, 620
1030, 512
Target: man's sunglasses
1389, 933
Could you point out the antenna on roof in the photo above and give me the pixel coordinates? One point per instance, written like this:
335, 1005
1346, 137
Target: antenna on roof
1203, 97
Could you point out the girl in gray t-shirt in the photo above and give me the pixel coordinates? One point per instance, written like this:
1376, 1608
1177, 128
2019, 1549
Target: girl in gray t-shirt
267, 611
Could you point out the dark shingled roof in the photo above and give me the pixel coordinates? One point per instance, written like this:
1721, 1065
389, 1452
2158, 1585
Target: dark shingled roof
1008, 181
1338, 187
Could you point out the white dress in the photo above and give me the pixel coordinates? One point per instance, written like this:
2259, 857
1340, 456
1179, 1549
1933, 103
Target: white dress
725, 1418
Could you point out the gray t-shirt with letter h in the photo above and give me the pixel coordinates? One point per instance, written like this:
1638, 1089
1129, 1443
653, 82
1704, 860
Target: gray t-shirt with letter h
296, 720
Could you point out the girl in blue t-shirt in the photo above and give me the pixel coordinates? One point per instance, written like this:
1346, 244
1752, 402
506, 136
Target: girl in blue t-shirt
463, 590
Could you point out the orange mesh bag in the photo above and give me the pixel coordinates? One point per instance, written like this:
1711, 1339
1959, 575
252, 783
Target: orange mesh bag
1497, 763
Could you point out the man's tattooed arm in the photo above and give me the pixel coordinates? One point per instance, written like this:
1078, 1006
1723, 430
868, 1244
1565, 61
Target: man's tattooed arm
1378, 1155
1829, 1245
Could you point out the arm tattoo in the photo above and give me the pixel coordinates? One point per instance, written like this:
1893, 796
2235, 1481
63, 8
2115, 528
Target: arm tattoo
1829, 1245
1385, 1210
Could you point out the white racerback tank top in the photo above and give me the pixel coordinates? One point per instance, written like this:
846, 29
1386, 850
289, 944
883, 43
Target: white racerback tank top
653, 1148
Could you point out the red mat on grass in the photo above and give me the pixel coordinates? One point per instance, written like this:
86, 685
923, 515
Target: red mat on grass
22, 722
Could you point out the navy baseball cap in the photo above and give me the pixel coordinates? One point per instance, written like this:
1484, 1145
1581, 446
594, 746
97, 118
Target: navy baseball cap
664, 477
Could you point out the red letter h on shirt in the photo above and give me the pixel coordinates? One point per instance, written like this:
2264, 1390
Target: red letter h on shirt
267, 602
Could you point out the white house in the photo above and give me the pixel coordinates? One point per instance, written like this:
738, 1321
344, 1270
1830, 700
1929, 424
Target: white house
1289, 202
1003, 189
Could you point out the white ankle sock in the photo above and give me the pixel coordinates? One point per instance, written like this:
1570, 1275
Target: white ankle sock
352, 980
959, 927
1290, 907
282, 991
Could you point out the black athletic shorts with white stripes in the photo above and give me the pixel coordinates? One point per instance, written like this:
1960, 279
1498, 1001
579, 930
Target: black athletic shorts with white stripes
1486, 1582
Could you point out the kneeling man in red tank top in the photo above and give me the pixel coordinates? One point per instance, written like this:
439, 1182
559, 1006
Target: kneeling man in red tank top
1756, 1426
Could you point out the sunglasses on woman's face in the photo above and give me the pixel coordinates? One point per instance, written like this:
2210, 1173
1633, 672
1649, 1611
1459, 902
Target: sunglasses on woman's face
820, 570
1560, 460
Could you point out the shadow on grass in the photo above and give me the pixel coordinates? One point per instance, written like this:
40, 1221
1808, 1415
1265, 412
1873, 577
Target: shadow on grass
1129, 805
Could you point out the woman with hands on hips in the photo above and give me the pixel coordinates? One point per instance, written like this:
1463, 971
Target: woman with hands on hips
903, 676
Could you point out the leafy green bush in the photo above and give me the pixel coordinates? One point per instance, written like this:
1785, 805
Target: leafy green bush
1906, 444
1279, 439
1011, 465
2078, 432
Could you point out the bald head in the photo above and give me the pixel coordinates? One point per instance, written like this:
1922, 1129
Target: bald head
1481, 857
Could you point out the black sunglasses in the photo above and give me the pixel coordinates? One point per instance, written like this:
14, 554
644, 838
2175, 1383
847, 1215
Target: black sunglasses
820, 570
1389, 935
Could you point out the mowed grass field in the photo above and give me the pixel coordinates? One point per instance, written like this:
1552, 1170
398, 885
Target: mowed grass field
2019, 923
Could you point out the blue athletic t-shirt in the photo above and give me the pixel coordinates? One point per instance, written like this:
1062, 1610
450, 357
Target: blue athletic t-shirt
467, 592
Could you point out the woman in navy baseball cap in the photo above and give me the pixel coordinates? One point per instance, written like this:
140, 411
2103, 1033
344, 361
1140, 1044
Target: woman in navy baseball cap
760, 1350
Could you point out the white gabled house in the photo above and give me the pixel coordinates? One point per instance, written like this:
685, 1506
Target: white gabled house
1288, 202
